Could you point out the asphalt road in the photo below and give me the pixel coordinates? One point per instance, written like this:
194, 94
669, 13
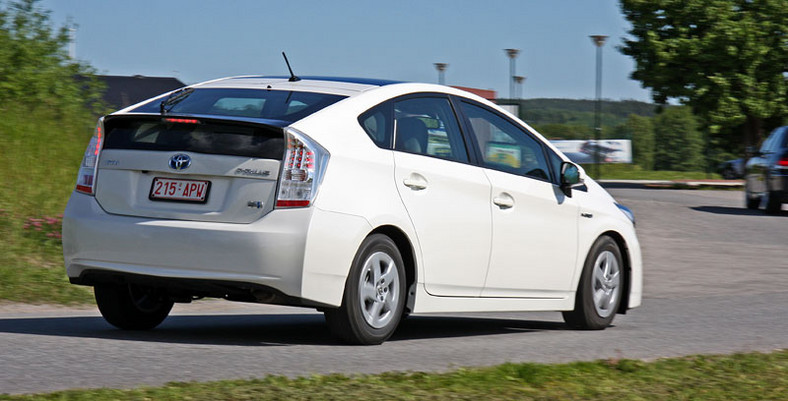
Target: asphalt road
716, 281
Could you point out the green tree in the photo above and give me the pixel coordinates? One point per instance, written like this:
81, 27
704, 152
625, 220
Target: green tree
640, 130
727, 59
35, 70
563, 131
679, 144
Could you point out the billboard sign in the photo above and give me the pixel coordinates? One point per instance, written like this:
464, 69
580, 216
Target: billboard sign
582, 151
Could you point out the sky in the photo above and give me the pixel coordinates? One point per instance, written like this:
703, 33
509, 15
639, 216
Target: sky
198, 40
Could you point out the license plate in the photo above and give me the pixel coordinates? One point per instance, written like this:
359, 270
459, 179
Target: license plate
171, 189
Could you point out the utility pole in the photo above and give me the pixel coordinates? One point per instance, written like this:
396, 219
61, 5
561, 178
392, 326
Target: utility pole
441, 67
518, 79
512, 53
599, 41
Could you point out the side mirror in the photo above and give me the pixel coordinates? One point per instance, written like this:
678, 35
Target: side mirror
570, 178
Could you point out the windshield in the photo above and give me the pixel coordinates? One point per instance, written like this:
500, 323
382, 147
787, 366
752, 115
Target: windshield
251, 103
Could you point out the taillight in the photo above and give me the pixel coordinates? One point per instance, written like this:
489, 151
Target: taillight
302, 170
86, 178
783, 161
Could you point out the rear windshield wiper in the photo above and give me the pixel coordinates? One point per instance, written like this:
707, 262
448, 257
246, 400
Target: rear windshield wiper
173, 99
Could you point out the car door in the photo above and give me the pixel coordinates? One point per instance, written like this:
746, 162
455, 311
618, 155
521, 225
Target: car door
534, 225
447, 198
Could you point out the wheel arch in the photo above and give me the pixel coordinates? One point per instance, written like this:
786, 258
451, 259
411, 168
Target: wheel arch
407, 251
622, 246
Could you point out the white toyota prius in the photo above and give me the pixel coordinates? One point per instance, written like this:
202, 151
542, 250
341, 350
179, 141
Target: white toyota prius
368, 200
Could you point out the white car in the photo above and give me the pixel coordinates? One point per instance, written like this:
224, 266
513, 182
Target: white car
368, 200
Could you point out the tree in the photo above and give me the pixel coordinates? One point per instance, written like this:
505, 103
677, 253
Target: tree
640, 130
35, 71
679, 144
727, 59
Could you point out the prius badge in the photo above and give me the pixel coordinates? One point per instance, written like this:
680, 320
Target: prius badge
180, 162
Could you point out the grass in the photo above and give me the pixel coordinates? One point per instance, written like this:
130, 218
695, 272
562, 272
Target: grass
39, 158
752, 376
635, 172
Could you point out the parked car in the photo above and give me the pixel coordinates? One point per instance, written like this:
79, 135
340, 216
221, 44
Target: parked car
367, 200
731, 169
767, 173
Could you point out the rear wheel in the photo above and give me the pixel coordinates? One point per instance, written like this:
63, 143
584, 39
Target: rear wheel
132, 307
600, 289
753, 202
773, 204
374, 294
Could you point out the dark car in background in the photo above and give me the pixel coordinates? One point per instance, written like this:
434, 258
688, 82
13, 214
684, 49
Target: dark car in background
731, 169
766, 173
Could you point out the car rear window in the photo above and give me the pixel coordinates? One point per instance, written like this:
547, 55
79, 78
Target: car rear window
285, 106
201, 136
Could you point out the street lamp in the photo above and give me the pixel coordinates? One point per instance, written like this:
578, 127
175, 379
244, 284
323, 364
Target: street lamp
441, 67
518, 79
599, 41
512, 53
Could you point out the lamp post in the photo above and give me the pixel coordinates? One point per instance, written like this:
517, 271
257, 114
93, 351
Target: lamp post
599, 41
441, 67
72, 43
512, 53
518, 79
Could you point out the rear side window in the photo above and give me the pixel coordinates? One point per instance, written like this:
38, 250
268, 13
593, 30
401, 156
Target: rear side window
251, 103
378, 125
203, 137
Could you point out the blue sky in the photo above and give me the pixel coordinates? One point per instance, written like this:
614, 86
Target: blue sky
199, 40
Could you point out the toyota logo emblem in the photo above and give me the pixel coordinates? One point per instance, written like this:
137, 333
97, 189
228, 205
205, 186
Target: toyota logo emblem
180, 162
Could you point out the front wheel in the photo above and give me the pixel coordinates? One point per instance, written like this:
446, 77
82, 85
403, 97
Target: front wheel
132, 307
374, 294
600, 289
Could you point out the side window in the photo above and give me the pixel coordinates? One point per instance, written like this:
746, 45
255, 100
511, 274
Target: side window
378, 125
505, 146
428, 126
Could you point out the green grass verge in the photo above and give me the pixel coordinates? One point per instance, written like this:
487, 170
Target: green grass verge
39, 157
751, 376
635, 172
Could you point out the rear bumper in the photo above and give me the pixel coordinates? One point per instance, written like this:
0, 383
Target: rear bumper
266, 255
778, 184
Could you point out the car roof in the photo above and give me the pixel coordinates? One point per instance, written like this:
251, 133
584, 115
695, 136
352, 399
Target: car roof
345, 86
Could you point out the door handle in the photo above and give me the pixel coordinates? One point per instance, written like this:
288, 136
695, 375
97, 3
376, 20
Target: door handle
504, 201
415, 182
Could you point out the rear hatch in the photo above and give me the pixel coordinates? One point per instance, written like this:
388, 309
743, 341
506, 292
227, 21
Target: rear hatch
189, 168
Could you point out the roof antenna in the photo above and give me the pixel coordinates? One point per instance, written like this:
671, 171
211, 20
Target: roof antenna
293, 78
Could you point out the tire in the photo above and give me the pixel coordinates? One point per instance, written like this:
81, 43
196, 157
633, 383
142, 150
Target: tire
773, 204
752, 203
600, 289
374, 298
132, 307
